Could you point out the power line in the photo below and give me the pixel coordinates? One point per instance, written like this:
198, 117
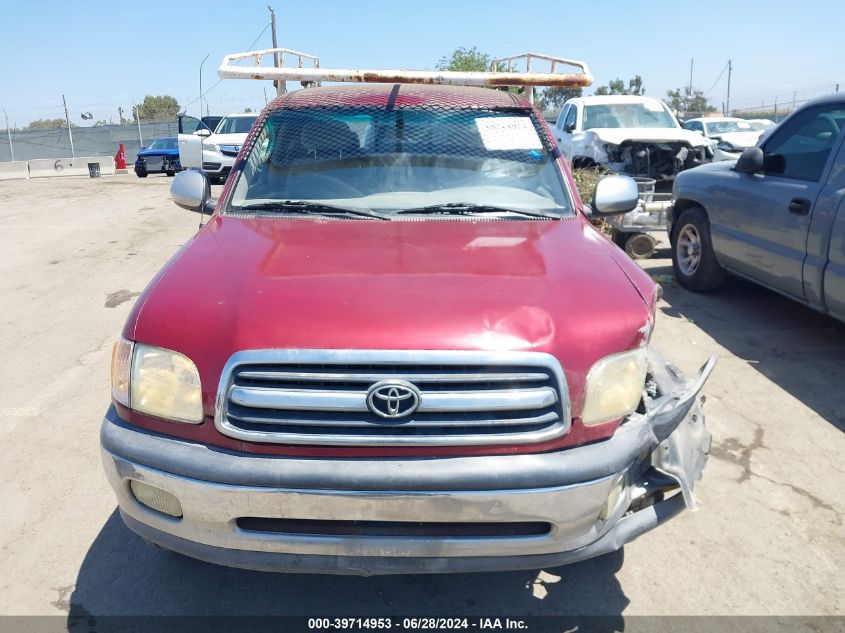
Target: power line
186, 106
717, 79
249, 48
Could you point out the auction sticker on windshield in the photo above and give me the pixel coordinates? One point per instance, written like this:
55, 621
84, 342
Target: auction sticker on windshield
508, 133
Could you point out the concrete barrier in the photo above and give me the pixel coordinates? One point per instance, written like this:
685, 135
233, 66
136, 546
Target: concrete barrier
17, 169
51, 167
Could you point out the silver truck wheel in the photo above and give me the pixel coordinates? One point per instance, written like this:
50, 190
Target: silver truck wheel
688, 249
693, 259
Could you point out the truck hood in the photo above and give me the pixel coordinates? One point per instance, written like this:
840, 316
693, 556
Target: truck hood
617, 136
740, 139
227, 139
258, 283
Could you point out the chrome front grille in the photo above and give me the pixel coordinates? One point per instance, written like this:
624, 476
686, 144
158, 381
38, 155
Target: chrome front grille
320, 397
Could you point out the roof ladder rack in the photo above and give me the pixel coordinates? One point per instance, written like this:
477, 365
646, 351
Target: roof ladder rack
504, 72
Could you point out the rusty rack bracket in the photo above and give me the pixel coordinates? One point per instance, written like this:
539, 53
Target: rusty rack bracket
503, 73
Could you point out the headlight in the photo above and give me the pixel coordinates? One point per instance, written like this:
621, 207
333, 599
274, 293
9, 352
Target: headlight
210, 147
614, 386
156, 381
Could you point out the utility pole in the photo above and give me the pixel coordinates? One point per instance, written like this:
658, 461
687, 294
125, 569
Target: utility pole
794, 94
69, 132
776, 110
837, 88
728, 99
280, 85
137, 110
9, 132
201, 63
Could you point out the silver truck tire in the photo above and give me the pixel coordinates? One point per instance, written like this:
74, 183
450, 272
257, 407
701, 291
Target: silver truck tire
693, 259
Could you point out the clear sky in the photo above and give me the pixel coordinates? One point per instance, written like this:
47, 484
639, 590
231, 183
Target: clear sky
102, 55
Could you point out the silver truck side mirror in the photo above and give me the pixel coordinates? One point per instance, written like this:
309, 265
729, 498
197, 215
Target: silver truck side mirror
191, 190
614, 195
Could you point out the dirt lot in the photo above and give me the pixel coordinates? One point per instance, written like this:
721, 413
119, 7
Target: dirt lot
75, 253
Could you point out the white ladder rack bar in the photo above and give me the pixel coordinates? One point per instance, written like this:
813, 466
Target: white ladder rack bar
229, 69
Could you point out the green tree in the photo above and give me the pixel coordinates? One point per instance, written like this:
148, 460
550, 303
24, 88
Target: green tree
465, 59
156, 108
247, 109
48, 124
686, 100
618, 87
552, 99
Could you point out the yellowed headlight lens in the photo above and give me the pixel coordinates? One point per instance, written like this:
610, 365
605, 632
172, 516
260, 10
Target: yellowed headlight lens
165, 384
121, 363
614, 386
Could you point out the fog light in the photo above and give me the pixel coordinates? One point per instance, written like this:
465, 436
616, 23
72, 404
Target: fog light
156, 498
613, 497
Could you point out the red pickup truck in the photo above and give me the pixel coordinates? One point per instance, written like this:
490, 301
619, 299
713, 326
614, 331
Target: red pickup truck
399, 346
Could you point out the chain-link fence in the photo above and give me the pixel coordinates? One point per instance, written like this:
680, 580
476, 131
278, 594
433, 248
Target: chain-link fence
87, 141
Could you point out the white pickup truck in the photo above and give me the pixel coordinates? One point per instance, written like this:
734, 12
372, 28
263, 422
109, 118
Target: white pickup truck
635, 136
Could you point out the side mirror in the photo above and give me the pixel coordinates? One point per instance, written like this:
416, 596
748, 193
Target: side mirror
203, 132
191, 190
750, 161
614, 195
569, 128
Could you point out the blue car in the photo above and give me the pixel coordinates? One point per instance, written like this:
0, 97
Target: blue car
162, 156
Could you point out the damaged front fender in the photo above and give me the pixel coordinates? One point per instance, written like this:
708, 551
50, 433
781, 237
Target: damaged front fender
675, 423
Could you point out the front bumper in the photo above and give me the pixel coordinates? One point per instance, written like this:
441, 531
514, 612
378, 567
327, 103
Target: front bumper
593, 498
217, 165
157, 165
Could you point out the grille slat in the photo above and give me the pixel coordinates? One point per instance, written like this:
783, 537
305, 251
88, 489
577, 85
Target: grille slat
540, 419
431, 401
365, 377
320, 397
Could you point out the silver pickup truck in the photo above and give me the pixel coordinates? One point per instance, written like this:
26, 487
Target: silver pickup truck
775, 216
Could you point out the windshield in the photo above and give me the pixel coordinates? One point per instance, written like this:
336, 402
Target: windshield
650, 113
163, 143
761, 125
402, 159
726, 127
235, 125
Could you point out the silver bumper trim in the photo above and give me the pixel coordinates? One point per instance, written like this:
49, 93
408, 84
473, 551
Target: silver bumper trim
210, 511
626, 530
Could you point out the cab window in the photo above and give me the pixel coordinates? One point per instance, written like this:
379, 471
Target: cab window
800, 148
569, 123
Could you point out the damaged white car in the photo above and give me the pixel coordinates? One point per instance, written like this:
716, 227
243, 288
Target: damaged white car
635, 136
728, 136
632, 135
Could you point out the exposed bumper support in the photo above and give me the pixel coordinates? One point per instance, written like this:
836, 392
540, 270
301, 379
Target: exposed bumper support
587, 495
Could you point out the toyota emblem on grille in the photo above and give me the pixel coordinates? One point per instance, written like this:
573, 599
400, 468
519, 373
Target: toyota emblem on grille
393, 398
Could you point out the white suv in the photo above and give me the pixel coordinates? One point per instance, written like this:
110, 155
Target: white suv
220, 149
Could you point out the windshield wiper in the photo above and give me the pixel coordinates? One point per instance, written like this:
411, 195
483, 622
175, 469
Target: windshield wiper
306, 206
467, 208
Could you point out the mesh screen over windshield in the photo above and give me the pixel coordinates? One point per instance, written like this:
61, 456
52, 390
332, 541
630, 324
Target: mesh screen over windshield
392, 158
